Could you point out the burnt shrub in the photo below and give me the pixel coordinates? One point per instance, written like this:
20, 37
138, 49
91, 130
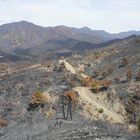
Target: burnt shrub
137, 76
124, 62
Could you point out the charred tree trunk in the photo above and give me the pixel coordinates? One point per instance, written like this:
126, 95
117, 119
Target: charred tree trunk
63, 108
69, 112
70, 104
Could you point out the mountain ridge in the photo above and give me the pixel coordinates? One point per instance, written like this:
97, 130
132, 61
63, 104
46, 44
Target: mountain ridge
26, 35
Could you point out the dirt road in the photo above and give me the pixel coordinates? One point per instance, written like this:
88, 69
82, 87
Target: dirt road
87, 97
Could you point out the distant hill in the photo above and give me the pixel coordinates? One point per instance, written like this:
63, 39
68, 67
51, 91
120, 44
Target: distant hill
125, 34
27, 36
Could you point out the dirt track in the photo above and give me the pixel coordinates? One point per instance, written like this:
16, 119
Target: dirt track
87, 97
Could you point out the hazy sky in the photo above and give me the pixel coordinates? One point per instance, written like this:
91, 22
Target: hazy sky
109, 15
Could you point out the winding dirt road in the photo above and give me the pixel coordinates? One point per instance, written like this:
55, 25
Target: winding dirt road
87, 97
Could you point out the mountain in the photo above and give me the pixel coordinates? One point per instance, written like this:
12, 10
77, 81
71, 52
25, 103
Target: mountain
24, 35
82, 34
105, 35
125, 34
20, 35
27, 35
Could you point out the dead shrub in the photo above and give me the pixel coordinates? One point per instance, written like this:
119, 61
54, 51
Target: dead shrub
48, 83
138, 76
117, 80
124, 62
87, 82
88, 65
19, 86
48, 64
72, 95
97, 55
39, 97
3, 123
103, 75
105, 83
110, 70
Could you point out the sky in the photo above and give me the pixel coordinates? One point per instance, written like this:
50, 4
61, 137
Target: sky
110, 15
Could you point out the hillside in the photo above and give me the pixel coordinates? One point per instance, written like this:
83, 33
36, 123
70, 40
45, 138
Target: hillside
91, 95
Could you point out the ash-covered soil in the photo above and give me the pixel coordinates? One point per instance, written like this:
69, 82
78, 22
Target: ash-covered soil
118, 63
